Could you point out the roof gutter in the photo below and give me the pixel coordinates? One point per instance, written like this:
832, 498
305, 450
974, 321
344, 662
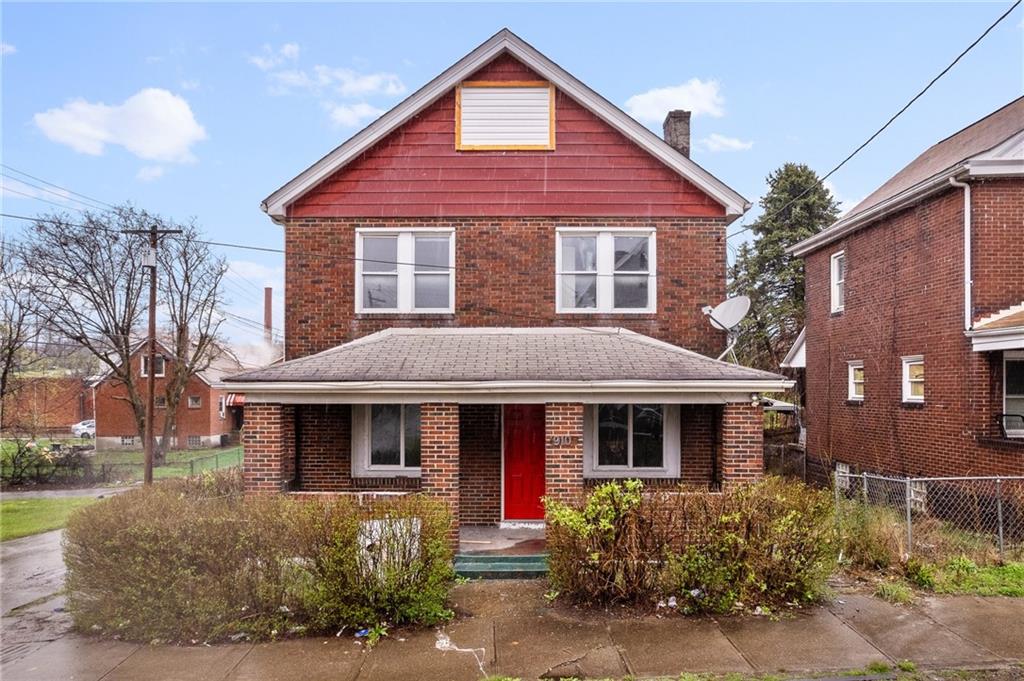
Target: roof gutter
844, 226
452, 387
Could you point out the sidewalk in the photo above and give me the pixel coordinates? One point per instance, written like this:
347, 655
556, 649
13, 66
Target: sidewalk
505, 628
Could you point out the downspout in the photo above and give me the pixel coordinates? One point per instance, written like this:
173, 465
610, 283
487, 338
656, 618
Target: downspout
968, 281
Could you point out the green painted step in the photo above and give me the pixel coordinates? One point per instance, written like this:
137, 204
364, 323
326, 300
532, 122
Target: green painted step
501, 567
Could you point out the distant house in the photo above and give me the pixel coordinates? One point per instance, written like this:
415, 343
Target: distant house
914, 342
47, 402
204, 418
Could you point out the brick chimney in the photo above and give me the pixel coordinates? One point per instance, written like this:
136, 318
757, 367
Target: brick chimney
677, 131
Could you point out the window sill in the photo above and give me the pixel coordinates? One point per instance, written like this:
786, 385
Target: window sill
386, 314
908, 404
639, 473
854, 403
836, 313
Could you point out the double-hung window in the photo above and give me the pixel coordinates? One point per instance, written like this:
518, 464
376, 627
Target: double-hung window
158, 362
408, 271
855, 381
623, 440
1013, 393
605, 271
386, 440
913, 378
837, 277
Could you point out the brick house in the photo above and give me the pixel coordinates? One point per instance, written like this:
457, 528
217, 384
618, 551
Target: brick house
204, 418
493, 294
914, 353
47, 402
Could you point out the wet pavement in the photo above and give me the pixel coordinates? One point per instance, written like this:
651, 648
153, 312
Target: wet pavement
507, 628
32, 568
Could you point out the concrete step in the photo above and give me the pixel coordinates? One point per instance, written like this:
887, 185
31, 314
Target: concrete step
501, 567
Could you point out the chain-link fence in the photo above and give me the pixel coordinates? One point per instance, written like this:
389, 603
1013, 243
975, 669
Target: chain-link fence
938, 517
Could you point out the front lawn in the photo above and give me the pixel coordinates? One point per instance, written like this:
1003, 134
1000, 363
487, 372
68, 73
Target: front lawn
22, 517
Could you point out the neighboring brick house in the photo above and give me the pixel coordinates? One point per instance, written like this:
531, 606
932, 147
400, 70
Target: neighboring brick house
488, 295
204, 418
914, 363
47, 402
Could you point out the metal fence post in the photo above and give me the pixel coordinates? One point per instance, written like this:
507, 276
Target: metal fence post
910, 522
864, 486
999, 513
191, 467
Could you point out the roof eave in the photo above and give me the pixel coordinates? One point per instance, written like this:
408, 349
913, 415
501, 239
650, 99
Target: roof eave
419, 387
277, 203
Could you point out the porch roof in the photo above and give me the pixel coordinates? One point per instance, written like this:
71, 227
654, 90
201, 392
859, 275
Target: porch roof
502, 355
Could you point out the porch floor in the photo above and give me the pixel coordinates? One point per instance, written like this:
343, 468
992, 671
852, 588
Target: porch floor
493, 540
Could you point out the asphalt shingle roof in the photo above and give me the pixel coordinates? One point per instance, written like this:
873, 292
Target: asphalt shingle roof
504, 354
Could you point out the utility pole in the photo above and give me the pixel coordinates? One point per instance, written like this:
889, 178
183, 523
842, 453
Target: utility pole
149, 445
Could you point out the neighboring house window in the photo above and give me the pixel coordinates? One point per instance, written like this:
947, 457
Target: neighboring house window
838, 279
855, 381
195, 401
386, 440
160, 402
604, 271
195, 441
842, 475
629, 440
158, 362
409, 271
221, 406
913, 378
516, 115
127, 440
1013, 393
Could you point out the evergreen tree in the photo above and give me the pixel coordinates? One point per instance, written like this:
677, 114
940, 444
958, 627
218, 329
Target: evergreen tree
795, 207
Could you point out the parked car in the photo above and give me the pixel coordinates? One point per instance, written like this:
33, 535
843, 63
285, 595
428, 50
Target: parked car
84, 429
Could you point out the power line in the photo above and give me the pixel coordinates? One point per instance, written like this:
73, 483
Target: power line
62, 206
64, 195
891, 119
57, 186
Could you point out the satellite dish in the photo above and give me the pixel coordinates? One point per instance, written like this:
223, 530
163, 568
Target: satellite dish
728, 313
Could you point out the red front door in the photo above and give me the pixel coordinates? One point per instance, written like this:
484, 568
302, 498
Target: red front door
524, 461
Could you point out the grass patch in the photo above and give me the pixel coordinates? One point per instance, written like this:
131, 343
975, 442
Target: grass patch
24, 517
957, 577
894, 592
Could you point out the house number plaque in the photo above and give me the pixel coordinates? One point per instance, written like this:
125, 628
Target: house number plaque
563, 440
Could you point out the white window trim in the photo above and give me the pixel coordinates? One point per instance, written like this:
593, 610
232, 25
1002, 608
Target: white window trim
142, 366
907, 362
199, 402
606, 270
361, 466
405, 270
834, 282
1016, 356
222, 406
850, 366
671, 447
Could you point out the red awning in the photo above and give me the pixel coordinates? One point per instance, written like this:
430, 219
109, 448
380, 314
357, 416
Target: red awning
236, 399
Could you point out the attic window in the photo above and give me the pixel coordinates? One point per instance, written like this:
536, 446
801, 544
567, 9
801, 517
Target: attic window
509, 115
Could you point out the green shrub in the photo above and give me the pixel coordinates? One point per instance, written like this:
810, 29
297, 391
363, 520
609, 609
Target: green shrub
920, 573
894, 592
196, 560
757, 545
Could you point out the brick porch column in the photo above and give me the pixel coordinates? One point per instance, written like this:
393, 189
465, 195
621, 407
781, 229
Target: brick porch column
742, 436
439, 457
268, 438
563, 450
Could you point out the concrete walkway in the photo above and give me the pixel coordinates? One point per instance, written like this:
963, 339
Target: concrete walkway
505, 628
32, 568
61, 493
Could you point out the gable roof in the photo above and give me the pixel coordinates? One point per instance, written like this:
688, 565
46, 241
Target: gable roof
503, 42
222, 364
992, 146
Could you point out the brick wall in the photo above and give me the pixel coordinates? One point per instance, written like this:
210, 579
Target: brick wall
699, 433
563, 450
742, 453
37, 404
269, 440
904, 296
439, 455
480, 463
505, 276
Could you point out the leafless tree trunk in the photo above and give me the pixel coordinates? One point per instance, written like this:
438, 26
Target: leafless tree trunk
190, 288
18, 322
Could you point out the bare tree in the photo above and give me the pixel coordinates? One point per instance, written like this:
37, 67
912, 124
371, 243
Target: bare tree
91, 288
190, 289
18, 321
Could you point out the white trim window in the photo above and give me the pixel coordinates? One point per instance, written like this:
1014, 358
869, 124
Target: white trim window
386, 440
160, 366
631, 440
837, 281
605, 271
855, 380
407, 271
222, 406
913, 378
1013, 391
195, 401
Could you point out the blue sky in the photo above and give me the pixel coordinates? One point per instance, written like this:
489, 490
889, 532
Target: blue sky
201, 110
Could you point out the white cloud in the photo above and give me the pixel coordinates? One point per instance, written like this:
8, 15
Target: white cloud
701, 97
337, 80
271, 58
189, 84
149, 173
152, 124
351, 115
7, 48
845, 204
715, 142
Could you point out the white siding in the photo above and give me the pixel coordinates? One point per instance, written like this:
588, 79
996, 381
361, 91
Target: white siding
505, 117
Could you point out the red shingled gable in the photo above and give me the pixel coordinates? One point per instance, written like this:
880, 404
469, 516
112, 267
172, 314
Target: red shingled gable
594, 171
